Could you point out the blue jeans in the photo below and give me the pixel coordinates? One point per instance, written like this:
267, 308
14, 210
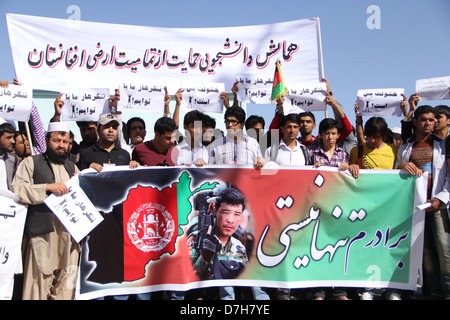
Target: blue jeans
436, 253
227, 293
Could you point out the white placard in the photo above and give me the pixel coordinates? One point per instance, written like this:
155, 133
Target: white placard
84, 104
141, 97
204, 97
16, 103
75, 211
380, 102
433, 88
305, 97
254, 88
12, 222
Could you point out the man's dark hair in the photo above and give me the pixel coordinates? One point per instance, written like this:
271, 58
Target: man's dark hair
193, 116
6, 128
443, 109
237, 112
19, 133
307, 114
329, 123
292, 117
424, 109
134, 119
376, 125
82, 124
164, 125
253, 120
230, 196
208, 122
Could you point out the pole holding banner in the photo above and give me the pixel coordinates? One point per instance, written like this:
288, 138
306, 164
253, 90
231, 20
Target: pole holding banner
30, 139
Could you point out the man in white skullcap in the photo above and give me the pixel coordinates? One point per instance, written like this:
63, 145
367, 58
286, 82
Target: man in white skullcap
51, 255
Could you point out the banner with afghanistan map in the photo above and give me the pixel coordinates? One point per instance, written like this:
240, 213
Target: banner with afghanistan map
300, 227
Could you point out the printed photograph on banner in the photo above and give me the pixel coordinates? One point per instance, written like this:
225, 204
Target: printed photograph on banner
15, 103
254, 88
433, 88
204, 97
84, 104
380, 102
75, 211
220, 216
305, 97
135, 96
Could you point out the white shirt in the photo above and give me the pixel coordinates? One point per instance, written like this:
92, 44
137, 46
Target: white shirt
188, 155
286, 156
3, 177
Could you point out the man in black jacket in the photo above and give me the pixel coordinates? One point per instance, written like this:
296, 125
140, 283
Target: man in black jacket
105, 152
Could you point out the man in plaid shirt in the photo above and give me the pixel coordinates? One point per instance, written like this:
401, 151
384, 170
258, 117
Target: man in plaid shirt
236, 147
325, 152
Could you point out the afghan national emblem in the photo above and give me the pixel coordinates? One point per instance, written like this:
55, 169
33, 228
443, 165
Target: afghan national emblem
150, 227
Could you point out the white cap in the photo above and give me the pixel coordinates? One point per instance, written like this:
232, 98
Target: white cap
58, 127
106, 118
396, 130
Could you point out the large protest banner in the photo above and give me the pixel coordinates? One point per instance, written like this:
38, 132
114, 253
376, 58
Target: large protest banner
310, 227
55, 54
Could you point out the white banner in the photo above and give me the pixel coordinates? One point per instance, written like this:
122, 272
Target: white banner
16, 103
12, 222
380, 102
52, 54
433, 88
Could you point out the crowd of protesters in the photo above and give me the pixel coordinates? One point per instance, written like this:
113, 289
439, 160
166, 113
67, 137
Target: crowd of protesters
32, 173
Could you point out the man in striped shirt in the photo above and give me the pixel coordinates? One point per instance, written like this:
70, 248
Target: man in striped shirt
236, 147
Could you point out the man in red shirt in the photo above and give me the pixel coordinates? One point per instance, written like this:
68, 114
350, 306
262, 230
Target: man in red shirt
307, 119
160, 151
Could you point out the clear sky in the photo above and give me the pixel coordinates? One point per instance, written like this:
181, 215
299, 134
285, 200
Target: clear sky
412, 43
